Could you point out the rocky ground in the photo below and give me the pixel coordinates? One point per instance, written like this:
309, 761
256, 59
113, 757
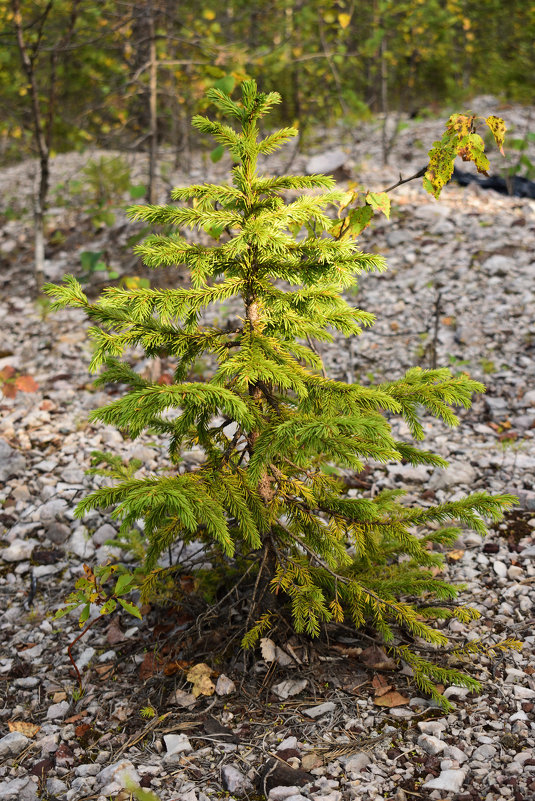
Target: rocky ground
331, 723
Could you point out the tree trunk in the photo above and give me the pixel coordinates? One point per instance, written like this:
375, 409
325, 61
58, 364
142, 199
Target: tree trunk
153, 110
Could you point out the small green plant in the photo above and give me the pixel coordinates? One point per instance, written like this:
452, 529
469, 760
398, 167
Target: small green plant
271, 425
91, 261
488, 366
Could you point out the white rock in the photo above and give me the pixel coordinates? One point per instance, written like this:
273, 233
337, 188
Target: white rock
498, 265
452, 752
285, 689
119, 773
484, 753
57, 711
529, 398
456, 692
104, 533
234, 780
357, 762
514, 572
523, 692
19, 790
224, 685
182, 698
55, 787
288, 742
85, 657
282, 793
431, 744
12, 462
457, 473
12, 744
18, 551
52, 510
500, 569
327, 162
520, 715
318, 711
80, 545
177, 743
297, 797
514, 675
449, 780
434, 727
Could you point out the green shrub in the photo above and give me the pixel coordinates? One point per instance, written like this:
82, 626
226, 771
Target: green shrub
271, 425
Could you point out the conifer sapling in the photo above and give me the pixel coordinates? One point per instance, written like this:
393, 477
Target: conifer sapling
267, 492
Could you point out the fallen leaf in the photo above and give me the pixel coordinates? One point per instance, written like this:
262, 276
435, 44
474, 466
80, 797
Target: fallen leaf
391, 699
374, 657
25, 383
183, 699
175, 667
211, 725
104, 671
114, 633
272, 653
380, 685
7, 372
199, 676
9, 391
311, 761
267, 648
41, 769
82, 731
59, 696
75, 718
151, 664
455, 555
28, 729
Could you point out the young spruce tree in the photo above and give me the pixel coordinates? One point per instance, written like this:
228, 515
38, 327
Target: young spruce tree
267, 491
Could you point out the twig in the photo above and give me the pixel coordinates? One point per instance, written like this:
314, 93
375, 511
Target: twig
75, 666
421, 172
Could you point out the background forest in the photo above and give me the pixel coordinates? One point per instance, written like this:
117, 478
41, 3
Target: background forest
118, 74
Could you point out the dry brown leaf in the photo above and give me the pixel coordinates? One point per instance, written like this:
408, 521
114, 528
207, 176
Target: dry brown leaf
28, 729
105, 671
267, 647
455, 555
9, 391
151, 664
59, 696
311, 761
25, 383
391, 699
199, 676
7, 372
374, 657
380, 685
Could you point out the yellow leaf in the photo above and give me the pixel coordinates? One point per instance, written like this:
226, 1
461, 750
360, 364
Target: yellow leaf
208, 14
28, 729
199, 676
455, 555
344, 20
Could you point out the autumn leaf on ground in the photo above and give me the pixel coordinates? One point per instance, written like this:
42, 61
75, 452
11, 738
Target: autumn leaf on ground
25, 383
199, 676
374, 657
391, 699
151, 664
380, 685
28, 729
455, 555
